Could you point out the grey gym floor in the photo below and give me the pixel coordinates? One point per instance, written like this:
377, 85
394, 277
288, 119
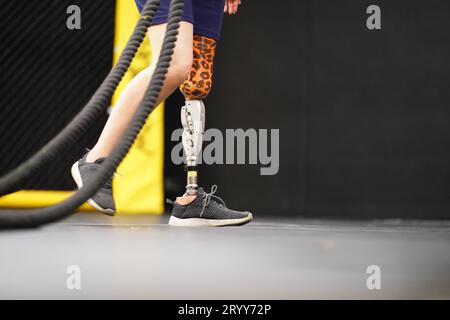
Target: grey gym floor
142, 258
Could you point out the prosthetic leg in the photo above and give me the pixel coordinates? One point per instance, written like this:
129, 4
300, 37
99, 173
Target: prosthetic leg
197, 208
196, 88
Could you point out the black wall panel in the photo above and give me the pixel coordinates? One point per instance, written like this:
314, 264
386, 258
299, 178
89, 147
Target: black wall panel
364, 115
379, 105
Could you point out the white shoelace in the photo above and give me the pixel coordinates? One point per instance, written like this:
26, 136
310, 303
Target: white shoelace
207, 199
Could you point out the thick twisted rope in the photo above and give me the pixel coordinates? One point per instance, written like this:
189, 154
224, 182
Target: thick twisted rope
14, 219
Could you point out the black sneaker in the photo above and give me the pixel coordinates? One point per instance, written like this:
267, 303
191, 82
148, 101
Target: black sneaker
103, 200
205, 211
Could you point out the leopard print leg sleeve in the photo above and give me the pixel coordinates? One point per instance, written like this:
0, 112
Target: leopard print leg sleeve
199, 82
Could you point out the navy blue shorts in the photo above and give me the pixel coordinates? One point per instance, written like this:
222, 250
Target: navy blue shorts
205, 15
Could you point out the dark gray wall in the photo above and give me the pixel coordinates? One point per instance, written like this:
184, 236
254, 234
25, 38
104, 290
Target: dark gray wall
48, 73
364, 115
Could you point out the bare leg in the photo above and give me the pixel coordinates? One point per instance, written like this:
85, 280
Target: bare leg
133, 94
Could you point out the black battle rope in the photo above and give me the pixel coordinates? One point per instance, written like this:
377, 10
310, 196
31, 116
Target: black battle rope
15, 219
99, 102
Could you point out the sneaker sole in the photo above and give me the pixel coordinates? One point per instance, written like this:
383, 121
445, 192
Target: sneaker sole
198, 222
77, 178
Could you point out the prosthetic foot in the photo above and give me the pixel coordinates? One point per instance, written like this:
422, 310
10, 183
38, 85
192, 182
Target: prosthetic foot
198, 208
207, 210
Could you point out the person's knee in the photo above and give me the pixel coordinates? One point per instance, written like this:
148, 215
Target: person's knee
179, 69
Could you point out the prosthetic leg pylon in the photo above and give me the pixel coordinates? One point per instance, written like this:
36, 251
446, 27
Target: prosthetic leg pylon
193, 121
